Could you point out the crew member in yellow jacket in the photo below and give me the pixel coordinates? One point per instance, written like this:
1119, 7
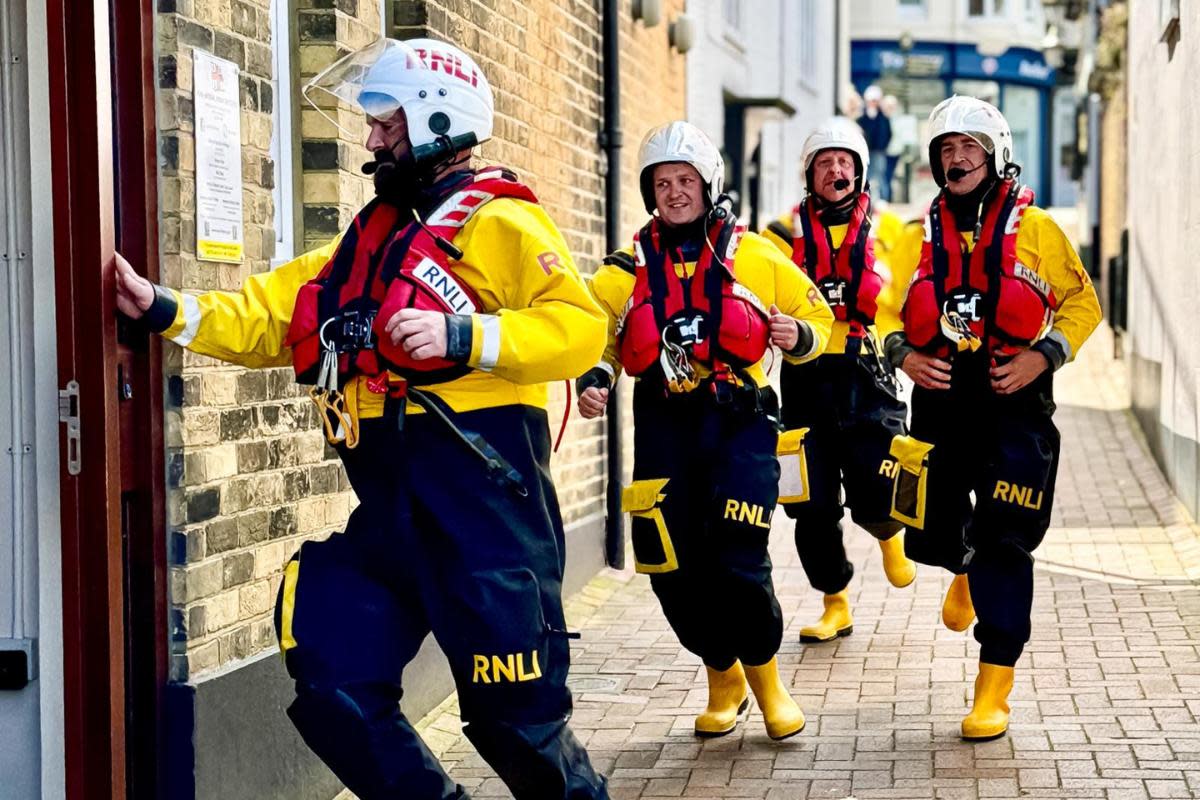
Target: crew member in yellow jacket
692, 309
428, 331
999, 301
842, 410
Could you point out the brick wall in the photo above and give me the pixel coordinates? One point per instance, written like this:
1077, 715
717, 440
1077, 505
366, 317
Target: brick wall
249, 475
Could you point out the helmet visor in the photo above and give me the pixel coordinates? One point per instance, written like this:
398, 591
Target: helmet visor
369, 81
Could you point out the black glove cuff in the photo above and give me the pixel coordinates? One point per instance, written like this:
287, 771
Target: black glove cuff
804, 340
596, 377
896, 348
1052, 351
161, 313
458, 338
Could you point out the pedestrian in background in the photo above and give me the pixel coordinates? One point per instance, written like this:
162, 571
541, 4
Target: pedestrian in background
877, 130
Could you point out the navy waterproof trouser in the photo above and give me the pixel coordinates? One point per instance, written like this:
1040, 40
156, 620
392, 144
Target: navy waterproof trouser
851, 421
1004, 448
716, 474
435, 545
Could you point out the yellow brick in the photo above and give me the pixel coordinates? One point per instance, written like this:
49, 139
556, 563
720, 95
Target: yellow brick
220, 462
221, 611
255, 599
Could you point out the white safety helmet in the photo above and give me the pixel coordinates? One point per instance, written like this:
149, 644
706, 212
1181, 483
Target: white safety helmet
442, 90
836, 133
972, 117
680, 141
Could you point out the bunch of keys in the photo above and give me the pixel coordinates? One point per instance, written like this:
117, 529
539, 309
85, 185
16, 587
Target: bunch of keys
339, 418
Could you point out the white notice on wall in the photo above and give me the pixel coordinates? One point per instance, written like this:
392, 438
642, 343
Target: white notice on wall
218, 159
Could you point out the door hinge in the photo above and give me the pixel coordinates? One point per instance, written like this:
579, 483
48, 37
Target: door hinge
68, 412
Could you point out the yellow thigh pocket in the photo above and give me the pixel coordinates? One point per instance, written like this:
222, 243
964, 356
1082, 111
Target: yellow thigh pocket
287, 604
652, 549
911, 479
793, 467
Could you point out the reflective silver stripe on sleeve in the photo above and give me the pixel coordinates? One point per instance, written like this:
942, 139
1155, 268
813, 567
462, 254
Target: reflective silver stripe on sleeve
1061, 340
490, 349
191, 321
607, 367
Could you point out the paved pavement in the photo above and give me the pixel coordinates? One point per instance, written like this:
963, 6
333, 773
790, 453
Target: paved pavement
1106, 698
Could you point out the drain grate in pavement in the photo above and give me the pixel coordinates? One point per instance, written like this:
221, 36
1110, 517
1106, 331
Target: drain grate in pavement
592, 683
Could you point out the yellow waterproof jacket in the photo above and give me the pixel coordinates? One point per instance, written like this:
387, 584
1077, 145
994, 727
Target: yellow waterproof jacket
887, 317
537, 321
760, 268
1043, 247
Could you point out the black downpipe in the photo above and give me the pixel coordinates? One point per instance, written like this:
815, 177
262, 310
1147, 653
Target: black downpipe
610, 142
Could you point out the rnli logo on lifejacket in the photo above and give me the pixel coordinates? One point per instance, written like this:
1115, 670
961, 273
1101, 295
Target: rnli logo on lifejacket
889, 468
444, 285
1032, 278
506, 668
1022, 496
749, 296
967, 305
740, 511
459, 209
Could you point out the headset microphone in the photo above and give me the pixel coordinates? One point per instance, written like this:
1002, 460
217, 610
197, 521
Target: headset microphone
841, 183
956, 174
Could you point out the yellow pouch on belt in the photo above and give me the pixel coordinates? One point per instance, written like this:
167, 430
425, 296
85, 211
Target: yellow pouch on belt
652, 548
793, 467
912, 476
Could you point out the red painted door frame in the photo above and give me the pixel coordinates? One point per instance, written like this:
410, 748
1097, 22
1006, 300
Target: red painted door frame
101, 80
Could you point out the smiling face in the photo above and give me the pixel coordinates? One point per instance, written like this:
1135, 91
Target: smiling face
961, 151
678, 193
829, 167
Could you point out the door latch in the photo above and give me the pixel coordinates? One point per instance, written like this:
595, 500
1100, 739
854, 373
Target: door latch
68, 413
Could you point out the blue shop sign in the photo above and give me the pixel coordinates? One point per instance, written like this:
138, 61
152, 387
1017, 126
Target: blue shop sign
948, 61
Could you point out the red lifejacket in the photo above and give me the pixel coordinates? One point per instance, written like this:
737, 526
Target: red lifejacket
386, 262
1000, 300
845, 275
689, 310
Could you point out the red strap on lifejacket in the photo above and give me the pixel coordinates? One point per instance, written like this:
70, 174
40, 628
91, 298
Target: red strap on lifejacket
848, 269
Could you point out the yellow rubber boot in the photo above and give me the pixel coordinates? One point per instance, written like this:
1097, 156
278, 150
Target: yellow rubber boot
728, 697
835, 622
780, 712
989, 714
958, 612
899, 568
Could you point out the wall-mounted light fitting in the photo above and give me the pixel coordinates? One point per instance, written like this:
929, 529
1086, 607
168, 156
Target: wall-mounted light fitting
648, 11
682, 33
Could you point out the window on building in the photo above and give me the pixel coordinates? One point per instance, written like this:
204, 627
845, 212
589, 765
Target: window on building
731, 14
283, 149
912, 3
807, 38
985, 8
